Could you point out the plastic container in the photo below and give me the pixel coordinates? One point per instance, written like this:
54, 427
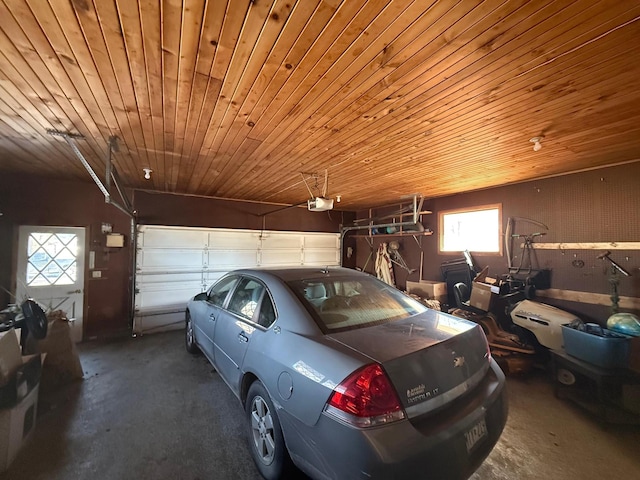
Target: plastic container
597, 345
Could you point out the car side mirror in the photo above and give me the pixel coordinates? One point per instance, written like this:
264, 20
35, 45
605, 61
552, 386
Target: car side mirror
200, 297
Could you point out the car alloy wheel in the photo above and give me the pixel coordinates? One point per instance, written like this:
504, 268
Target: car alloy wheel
266, 442
262, 430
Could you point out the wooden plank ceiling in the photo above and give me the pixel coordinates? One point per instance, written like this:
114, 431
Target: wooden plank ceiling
243, 98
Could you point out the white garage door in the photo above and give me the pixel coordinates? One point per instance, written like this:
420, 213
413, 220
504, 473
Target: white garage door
175, 263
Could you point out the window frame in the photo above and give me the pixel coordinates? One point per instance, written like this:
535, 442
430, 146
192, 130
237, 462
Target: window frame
441, 230
264, 297
233, 278
240, 287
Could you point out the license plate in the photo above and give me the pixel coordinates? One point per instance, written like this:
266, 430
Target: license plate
475, 434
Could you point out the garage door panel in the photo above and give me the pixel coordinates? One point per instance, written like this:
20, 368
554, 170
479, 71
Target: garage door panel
229, 259
169, 278
163, 259
322, 242
281, 241
175, 263
321, 257
174, 238
282, 257
233, 240
167, 296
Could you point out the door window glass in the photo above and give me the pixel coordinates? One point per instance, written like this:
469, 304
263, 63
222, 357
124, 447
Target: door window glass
220, 290
246, 297
267, 313
51, 259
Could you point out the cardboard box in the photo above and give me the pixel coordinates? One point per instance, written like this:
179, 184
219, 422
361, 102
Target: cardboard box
18, 374
482, 295
16, 426
10, 356
62, 365
429, 289
22, 382
18, 397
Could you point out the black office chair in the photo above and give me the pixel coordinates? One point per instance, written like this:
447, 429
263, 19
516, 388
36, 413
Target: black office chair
462, 294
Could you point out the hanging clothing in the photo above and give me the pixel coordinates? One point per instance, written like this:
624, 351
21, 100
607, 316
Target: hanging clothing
384, 268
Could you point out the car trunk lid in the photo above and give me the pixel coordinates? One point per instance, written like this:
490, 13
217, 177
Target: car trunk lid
430, 359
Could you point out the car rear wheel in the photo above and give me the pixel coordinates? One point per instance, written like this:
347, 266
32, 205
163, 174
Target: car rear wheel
266, 442
189, 339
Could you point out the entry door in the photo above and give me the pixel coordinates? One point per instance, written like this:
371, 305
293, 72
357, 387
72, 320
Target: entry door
51, 270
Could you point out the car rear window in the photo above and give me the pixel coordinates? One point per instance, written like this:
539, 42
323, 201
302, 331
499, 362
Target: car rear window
345, 303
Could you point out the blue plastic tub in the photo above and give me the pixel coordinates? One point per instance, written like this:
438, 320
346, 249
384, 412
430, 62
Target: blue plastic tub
597, 345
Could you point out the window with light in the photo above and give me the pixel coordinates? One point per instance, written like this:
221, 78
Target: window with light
474, 229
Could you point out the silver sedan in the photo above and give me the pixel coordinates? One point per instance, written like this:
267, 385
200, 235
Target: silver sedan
345, 377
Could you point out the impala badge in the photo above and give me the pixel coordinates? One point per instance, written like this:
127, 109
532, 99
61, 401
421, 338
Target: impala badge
458, 361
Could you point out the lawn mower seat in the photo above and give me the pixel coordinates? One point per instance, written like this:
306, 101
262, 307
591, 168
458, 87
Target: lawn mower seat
462, 295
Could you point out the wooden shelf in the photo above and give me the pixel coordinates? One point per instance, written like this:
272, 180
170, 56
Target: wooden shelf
398, 234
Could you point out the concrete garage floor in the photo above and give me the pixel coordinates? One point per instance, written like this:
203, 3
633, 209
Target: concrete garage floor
148, 410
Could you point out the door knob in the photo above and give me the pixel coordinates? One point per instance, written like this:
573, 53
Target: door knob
74, 291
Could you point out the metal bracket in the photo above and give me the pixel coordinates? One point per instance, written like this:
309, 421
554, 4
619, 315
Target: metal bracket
111, 173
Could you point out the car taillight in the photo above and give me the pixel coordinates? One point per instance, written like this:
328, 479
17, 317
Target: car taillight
366, 398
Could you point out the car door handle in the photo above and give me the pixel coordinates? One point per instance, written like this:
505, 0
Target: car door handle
243, 338
212, 317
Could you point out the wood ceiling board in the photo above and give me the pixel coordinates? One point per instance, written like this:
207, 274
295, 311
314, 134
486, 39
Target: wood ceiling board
209, 51
312, 58
233, 116
273, 74
144, 66
192, 17
32, 55
104, 35
170, 46
424, 112
16, 111
72, 55
359, 128
302, 43
505, 114
353, 141
316, 98
74, 64
237, 98
255, 85
22, 79
241, 28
